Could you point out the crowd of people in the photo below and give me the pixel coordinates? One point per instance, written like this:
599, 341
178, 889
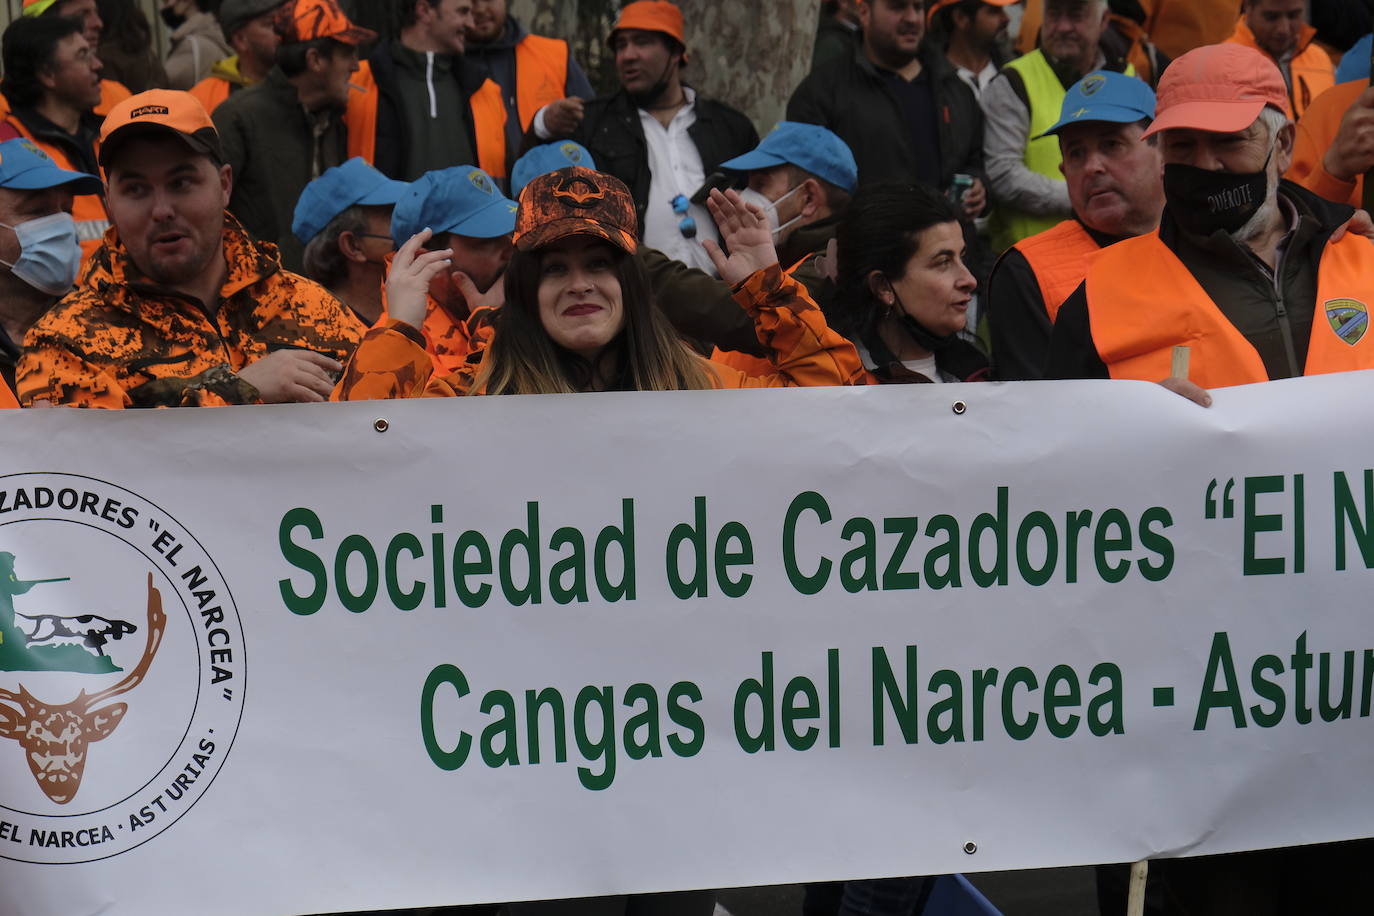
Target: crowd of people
292, 208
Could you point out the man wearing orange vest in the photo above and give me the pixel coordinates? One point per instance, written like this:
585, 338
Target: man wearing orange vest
1242, 269
52, 80
532, 71
1279, 28
424, 105
247, 26
1113, 180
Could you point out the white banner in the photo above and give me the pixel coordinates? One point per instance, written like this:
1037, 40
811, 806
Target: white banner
280, 660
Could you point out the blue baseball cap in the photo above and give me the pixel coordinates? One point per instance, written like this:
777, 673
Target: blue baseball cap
550, 157
1106, 96
809, 147
462, 200
25, 167
355, 183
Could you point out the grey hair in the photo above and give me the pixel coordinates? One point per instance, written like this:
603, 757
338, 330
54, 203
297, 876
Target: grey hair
1274, 120
322, 261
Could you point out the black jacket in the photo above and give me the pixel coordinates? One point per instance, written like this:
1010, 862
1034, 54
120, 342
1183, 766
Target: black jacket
393, 134
849, 96
79, 148
611, 132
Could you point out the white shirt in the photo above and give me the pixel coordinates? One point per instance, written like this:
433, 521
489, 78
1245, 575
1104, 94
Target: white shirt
976, 81
925, 367
675, 168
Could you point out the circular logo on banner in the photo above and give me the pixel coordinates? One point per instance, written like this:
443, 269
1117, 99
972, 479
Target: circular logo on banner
121, 669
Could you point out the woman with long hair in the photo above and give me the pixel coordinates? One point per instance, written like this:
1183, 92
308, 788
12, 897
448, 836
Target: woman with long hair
902, 289
902, 295
579, 315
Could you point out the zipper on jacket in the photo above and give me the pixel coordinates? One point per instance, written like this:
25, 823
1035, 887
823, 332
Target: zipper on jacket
1286, 329
429, 84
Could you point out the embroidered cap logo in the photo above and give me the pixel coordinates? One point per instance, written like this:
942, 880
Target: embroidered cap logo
579, 193
481, 182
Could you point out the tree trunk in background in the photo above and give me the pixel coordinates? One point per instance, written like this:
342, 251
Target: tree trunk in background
750, 56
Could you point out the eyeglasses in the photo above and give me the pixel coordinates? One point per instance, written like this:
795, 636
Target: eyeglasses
687, 226
373, 235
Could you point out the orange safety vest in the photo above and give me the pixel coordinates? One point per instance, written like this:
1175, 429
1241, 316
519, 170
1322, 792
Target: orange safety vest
1316, 132
1059, 257
488, 121
1311, 69
1136, 324
211, 91
111, 94
87, 209
541, 75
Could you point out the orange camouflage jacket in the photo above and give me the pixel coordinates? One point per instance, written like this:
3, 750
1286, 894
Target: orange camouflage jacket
120, 340
391, 362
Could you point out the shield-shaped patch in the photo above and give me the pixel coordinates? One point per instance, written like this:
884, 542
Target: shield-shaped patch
1349, 319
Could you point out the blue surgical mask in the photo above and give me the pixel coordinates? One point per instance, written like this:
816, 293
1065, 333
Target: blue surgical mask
49, 255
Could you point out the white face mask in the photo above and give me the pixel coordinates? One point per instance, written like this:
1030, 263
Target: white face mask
49, 255
770, 208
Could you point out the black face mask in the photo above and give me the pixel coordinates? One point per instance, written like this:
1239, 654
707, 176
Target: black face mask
1202, 201
173, 19
924, 337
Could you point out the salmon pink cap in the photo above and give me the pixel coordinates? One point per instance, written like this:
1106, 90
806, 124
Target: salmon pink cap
1218, 88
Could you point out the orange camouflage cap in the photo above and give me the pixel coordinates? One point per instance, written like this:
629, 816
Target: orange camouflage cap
575, 201
306, 20
160, 110
652, 16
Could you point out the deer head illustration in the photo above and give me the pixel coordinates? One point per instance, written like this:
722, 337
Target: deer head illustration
55, 737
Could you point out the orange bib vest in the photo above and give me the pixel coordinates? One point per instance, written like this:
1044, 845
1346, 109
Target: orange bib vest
211, 91
541, 75
1311, 71
1060, 258
1142, 302
488, 122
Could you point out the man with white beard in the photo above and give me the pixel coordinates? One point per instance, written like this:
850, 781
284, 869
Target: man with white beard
1242, 269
